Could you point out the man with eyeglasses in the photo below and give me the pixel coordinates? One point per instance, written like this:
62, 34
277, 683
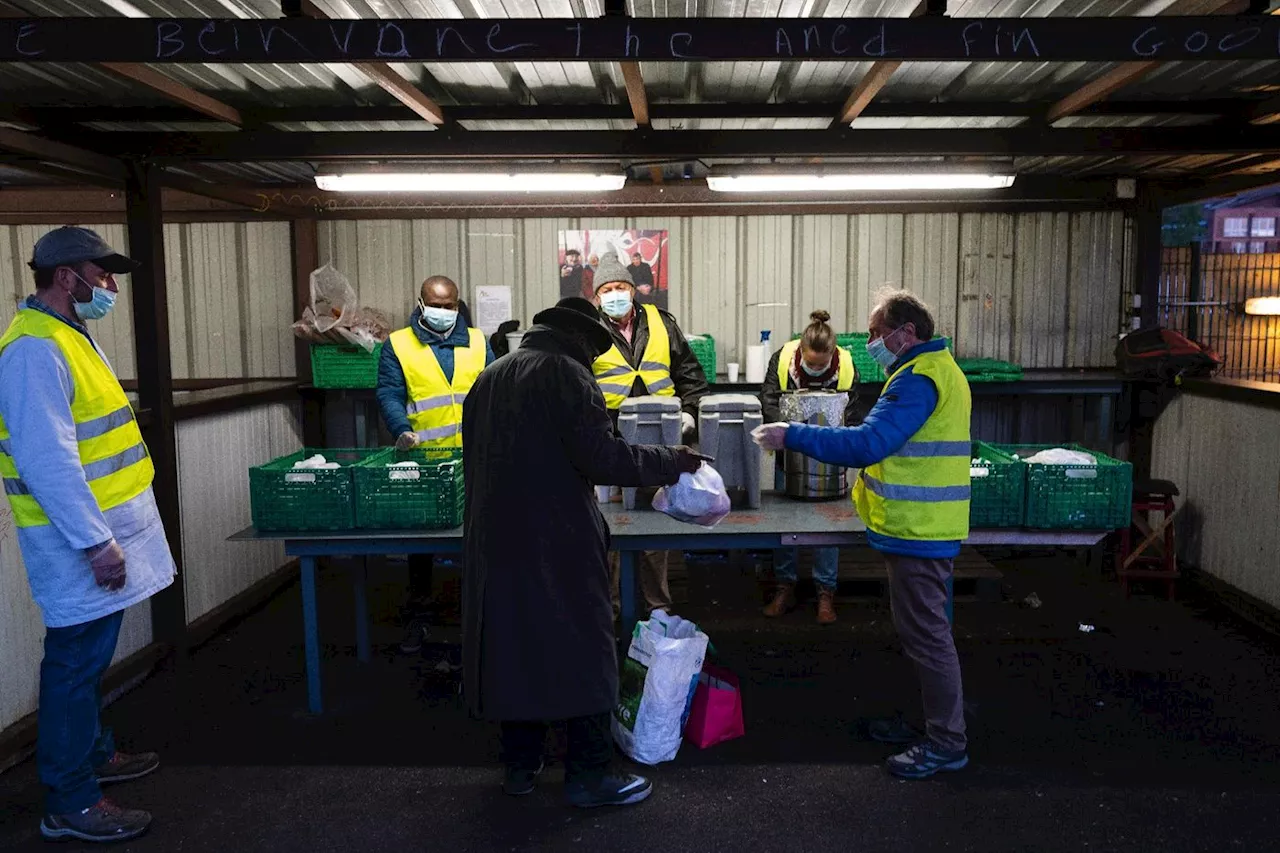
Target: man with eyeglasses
77, 477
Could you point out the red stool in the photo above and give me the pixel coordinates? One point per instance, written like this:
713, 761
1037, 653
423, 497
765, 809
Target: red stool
1132, 563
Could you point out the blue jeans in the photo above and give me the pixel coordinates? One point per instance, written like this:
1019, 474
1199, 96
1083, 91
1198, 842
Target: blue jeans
71, 740
826, 561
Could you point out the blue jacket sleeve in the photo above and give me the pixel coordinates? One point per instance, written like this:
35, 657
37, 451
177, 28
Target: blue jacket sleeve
903, 407
392, 392
488, 354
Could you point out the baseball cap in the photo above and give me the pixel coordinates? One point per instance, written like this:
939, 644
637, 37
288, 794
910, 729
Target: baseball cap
73, 245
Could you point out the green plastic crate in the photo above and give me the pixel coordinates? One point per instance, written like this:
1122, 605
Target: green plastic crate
335, 366
284, 498
989, 370
1076, 497
704, 349
997, 499
428, 497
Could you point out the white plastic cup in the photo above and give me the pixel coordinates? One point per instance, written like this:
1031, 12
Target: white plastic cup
733, 372
602, 494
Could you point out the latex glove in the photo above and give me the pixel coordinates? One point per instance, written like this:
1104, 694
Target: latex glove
687, 425
688, 461
407, 441
771, 436
107, 562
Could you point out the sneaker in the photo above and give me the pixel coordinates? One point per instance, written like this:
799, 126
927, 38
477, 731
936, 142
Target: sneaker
521, 779
103, 821
415, 634
925, 759
123, 767
894, 731
616, 788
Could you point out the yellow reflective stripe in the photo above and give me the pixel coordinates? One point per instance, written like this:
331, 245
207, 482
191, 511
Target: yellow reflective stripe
15, 487
936, 448
5, 447
437, 433
615, 371
916, 494
661, 385
419, 406
112, 464
104, 424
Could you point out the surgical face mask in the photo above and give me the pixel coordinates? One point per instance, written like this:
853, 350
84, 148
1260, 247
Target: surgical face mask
100, 303
812, 372
616, 303
880, 352
438, 319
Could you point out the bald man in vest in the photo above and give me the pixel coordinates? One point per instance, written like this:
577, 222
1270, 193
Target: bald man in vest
913, 495
426, 370
77, 477
649, 356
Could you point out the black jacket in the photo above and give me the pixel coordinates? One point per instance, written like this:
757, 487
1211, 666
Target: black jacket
771, 391
537, 639
686, 370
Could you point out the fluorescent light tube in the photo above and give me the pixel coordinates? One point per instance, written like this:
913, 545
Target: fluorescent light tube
470, 182
866, 182
1266, 305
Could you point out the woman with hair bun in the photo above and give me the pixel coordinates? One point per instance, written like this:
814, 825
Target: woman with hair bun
813, 362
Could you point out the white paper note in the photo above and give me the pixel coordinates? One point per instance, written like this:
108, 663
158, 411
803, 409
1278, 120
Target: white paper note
493, 307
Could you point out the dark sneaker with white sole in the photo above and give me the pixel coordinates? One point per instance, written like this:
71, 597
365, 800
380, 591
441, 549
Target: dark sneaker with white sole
102, 822
521, 780
124, 767
611, 789
925, 759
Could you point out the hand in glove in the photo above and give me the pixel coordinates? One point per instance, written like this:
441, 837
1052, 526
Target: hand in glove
771, 436
687, 426
407, 441
107, 562
688, 461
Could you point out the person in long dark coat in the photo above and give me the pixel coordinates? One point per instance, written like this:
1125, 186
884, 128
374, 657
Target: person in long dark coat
538, 639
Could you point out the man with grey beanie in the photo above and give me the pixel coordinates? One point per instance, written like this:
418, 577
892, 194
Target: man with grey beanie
649, 356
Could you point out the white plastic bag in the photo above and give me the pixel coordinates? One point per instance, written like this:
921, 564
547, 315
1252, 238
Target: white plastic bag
698, 498
656, 689
332, 297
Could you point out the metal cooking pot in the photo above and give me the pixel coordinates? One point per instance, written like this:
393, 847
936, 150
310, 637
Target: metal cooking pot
805, 477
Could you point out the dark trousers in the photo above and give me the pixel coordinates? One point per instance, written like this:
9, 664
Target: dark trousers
71, 741
590, 747
420, 577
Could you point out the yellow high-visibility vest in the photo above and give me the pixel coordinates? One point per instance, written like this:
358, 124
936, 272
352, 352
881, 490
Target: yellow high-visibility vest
844, 379
615, 375
116, 464
922, 491
434, 406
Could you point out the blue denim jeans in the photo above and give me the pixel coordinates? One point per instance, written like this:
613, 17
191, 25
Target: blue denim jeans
826, 561
71, 740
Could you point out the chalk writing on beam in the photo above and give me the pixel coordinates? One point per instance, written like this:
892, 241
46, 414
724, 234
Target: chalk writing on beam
493, 33
1149, 43
345, 44
167, 33
972, 36
383, 50
577, 29
442, 35
686, 41
25, 32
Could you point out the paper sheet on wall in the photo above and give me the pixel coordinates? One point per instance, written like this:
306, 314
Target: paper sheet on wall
493, 307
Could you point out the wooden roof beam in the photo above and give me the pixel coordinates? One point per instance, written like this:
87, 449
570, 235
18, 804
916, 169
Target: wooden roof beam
387, 78
635, 92
1129, 72
878, 75
175, 91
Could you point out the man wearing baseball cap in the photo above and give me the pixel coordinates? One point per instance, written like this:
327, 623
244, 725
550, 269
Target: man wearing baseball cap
77, 477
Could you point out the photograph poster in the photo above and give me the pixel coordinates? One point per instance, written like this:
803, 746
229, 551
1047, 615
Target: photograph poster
642, 252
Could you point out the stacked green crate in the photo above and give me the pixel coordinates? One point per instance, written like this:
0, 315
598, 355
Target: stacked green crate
283, 497
989, 370
704, 349
334, 366
1076, 497
392, 494
998, 486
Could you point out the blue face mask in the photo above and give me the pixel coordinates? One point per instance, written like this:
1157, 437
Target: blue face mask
438, 319
616, 304
880, 352
99, 304
815, 373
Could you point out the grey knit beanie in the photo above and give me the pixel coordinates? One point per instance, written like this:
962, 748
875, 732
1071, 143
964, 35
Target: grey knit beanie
611, 269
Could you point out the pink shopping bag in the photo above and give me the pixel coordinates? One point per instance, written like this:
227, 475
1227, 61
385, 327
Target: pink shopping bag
716, 713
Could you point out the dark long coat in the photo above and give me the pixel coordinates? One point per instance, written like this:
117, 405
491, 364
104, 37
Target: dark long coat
538, 639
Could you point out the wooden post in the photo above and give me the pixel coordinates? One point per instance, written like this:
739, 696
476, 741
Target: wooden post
148, 289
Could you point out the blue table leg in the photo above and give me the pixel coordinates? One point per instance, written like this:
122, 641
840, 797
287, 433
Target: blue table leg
951, 599
627, 588
311, 635
359, 581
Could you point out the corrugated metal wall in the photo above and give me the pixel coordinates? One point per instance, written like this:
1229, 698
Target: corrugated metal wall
1042, 289
1225, 458
230, 297
214, 454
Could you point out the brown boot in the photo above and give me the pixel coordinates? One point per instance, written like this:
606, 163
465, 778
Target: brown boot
784, 600
826, 606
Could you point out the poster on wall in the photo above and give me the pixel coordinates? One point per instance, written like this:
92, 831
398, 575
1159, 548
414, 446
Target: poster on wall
642, 252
